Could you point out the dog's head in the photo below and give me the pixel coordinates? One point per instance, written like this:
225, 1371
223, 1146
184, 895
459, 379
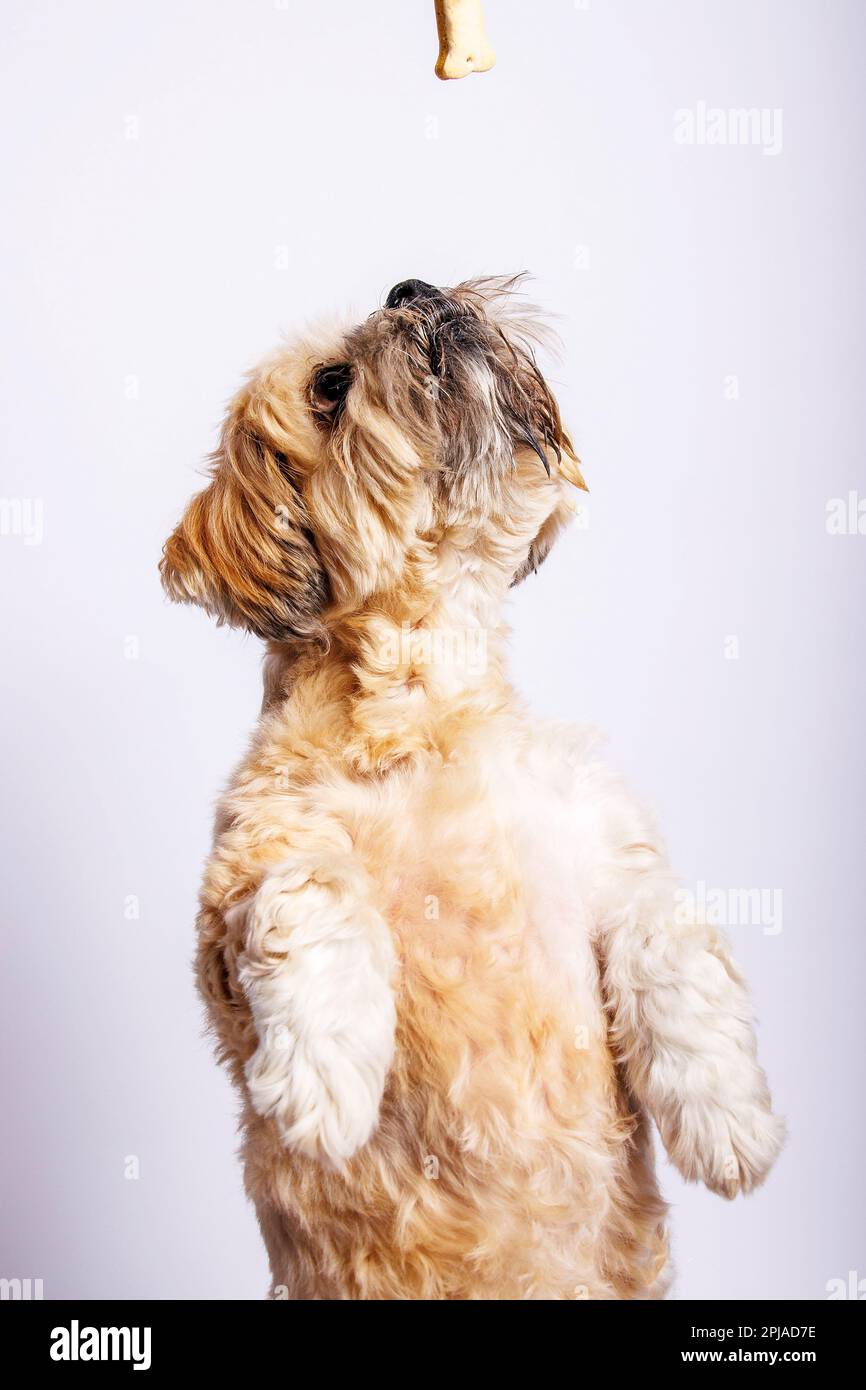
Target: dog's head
379, 464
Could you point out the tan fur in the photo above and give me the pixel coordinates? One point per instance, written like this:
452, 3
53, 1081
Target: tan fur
405, 808
543, 1189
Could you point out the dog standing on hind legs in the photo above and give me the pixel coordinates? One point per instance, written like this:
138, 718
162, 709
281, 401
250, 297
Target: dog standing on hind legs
437, 941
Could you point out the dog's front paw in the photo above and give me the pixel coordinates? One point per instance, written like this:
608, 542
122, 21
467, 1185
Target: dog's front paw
323, 1093
317, 976
728, 1151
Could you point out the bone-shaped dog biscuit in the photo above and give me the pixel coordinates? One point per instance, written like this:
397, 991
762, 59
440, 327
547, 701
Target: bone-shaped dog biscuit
463, 45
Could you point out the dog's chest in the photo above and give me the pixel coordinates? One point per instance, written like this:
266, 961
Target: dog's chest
485, 888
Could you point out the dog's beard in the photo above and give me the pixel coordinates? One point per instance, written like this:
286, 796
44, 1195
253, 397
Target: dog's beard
467, 393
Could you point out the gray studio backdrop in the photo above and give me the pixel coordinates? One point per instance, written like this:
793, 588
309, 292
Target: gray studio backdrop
186, 181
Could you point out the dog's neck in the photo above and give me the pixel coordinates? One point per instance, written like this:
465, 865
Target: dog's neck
426, 669
418, 669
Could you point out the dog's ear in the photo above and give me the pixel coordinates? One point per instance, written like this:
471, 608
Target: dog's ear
243, 549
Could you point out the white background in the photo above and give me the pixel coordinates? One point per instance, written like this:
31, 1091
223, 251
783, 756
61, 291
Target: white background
184, 182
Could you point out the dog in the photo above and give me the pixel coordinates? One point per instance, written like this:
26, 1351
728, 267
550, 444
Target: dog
439, 942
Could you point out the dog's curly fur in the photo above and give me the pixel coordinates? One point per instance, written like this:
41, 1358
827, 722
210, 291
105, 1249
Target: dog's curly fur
437, 940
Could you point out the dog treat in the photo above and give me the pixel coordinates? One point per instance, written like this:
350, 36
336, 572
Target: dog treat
463, 46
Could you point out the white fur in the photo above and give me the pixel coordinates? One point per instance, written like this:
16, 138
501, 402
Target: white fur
680, 1016
316, 972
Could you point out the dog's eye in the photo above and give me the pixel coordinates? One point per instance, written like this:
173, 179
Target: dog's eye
329, 388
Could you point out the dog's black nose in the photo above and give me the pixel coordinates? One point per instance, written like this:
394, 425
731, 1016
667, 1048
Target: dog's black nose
409, 292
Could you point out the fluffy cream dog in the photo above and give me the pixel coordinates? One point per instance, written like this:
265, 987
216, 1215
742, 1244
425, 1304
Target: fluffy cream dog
437, 939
